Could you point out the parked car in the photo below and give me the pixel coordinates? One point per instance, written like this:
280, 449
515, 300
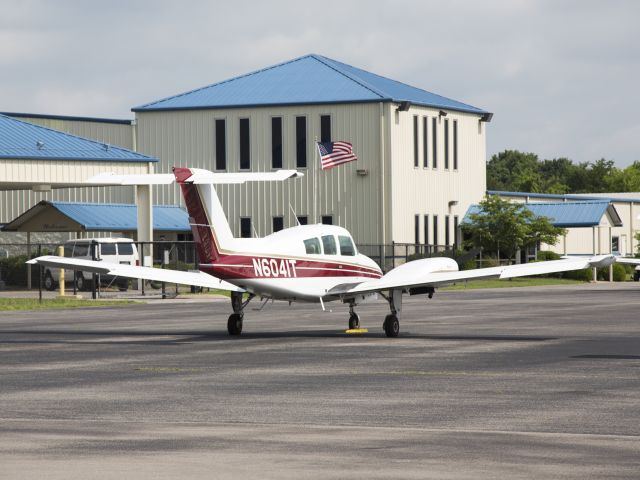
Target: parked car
114, 250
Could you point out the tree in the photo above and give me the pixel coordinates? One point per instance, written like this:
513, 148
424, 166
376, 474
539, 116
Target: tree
501, 227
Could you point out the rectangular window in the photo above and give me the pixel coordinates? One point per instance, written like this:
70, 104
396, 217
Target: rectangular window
302, 219
329, 245
325, 128
278, 224
245, 227
446, 230
221, 144
416, 154
446, 143
245, 156
426, 229
455, 231
346, 246
301, 142
425, 143
455, 144
435, 230
434, 143
276, 142
615, 244
417, 229
327, 219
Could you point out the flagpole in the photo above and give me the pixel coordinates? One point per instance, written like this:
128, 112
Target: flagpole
315, 182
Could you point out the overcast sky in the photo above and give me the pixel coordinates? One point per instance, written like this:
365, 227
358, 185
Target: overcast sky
562, 77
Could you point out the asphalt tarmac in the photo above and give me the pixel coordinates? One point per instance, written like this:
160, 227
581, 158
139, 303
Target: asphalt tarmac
510, 383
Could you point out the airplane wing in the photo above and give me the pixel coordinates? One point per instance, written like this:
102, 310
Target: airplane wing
199, 176
630, 261
416, 274
198, 279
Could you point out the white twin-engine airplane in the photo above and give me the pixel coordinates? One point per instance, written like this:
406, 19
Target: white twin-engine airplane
306, 263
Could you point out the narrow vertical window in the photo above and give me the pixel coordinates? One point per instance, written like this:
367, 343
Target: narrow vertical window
276, 142
278, 224
245, 156
221, 144
446, 143
417, 229
434, 143
446, 231
415, 142
425, 143
245, 227
455, 230
302, 219
327, 219
325, 128
455, 144
426, 229
301, 142
435, 230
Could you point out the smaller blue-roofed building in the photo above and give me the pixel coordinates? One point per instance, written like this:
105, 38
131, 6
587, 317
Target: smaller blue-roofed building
421, 155
595, 223
80, 217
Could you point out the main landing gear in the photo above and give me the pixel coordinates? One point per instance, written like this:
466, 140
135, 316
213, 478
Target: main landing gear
391, 324
234, 324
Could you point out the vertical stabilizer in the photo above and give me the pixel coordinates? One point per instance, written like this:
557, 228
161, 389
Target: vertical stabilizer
209, 224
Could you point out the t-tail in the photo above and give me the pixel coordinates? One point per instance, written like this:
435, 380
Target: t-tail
209, 224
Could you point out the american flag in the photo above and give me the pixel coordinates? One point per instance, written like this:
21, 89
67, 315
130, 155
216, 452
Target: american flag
335, 153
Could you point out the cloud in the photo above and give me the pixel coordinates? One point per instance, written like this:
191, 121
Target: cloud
560, 76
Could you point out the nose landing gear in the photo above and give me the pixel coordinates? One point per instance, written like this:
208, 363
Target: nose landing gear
354, 319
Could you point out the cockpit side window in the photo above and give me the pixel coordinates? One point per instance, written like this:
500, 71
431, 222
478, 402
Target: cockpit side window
329, 244
312, 246
346, 246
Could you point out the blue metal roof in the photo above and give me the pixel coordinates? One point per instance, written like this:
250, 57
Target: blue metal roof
567, 196
312, 79
566, 214
23, 140
116, 217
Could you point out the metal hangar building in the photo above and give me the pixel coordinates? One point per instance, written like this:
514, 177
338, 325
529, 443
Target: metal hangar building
421, 156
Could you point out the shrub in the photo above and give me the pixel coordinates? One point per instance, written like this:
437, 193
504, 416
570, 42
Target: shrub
585, 275
544, 255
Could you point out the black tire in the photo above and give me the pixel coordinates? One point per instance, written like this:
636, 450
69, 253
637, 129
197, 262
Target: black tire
82, 283
354, 321
391, 326
123, 286
234, 324
49, 283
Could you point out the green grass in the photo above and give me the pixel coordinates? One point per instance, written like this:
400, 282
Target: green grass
48, 303
514, 282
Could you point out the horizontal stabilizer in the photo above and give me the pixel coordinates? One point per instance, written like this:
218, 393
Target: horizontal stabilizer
199, 177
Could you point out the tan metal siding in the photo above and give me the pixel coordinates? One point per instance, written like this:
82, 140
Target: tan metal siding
428, 191
186, 138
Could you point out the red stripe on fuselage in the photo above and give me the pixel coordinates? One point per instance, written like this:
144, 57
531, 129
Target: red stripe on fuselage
230, 267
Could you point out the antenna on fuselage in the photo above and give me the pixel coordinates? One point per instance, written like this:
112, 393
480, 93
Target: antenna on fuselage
294, 214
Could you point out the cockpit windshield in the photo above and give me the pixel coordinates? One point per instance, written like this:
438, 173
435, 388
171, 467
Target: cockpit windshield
312, 246
329, 244
346, 246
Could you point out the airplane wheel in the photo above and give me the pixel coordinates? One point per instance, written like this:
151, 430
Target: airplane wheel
234, 324
354, 321
391, 325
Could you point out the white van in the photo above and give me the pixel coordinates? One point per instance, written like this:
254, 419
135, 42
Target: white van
113, 250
